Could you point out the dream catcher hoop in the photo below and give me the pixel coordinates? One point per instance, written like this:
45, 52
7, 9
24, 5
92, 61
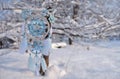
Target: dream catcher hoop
38, 29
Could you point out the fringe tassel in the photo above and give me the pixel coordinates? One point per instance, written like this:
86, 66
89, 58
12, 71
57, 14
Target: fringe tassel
43, 64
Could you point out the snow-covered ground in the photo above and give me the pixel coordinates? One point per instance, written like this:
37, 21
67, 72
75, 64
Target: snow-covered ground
101, 61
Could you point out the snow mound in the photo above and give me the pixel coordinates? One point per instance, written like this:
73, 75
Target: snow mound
55, 72
59, 45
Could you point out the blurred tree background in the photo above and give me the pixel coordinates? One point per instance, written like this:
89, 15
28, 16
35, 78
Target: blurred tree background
75, 20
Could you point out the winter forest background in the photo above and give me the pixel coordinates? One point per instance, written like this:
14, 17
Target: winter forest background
86, 39
75, 20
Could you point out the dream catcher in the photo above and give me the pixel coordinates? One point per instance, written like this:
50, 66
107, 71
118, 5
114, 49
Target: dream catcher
34, 32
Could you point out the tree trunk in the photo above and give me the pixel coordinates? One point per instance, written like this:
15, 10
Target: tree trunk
70, 41
75, 11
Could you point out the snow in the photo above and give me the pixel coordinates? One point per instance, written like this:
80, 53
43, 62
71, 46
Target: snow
59, 45
100, 61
